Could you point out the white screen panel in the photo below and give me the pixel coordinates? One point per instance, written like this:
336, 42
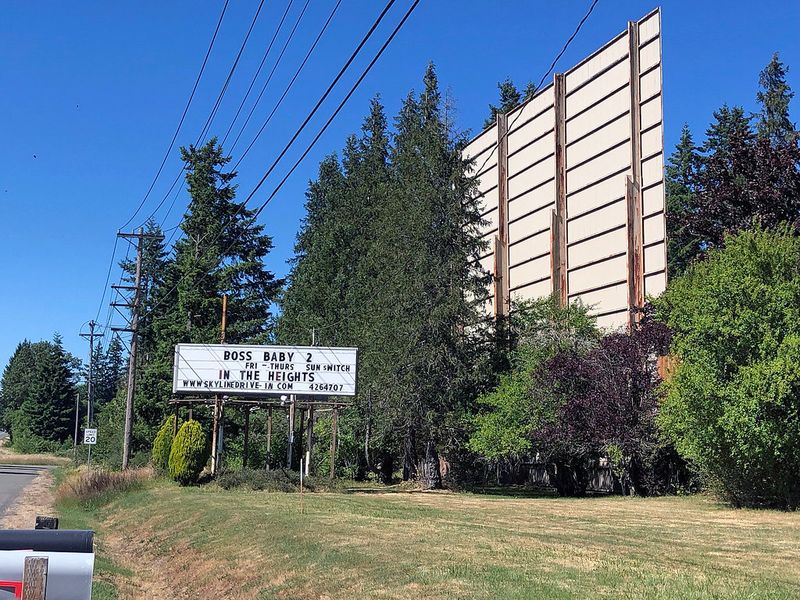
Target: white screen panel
597, 275
615, 51
527, 249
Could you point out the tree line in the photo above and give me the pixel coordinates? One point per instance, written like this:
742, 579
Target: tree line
386, 260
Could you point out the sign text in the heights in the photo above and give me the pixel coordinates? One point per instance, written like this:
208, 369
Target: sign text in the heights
209, 369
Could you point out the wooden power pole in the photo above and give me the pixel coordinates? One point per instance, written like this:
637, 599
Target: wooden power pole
217, 401
134, 305
90, 382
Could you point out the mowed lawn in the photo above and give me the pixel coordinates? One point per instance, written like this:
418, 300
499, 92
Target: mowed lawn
228, 544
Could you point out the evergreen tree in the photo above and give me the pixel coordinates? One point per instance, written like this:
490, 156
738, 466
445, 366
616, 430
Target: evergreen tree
313, 298
682, 170
331, 285
510, 98
434, 225
109, 369
221, 252
47, 411
385, 261
730, 129
773, 122
17, 383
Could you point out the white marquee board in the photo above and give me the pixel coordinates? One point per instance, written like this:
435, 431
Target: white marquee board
239, 370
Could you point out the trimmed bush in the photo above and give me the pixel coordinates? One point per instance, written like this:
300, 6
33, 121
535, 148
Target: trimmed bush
189, 453
162, 445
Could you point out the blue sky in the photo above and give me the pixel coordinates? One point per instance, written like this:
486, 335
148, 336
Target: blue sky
92, 92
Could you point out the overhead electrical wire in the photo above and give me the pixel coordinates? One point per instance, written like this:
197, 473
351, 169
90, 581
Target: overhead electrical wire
545, 76
261, 65
366, 71
166, 153
216, 106
108, 277
285, 91
177, 130
183, 116
253, 80
230, 75
319, 103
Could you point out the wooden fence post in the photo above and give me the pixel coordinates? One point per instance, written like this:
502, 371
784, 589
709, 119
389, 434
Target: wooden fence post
34, 578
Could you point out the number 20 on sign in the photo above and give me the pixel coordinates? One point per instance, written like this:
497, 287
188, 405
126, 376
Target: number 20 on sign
90, 436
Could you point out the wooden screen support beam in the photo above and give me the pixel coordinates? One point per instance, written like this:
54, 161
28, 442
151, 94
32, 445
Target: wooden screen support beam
34, 578
498, 301
559, 222
557, 274
633, 186
502, 299
633, 199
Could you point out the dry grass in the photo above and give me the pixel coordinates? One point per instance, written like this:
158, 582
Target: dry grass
88, 486
11, 457
250, 545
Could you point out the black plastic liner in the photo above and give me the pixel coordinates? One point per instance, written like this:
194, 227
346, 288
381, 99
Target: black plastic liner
47, 540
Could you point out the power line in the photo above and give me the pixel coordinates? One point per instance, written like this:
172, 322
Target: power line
252, 82
108, 278
274, 108
230, 76
285, 92
183, 116
314, 141
261, 65
545, 76
308, 118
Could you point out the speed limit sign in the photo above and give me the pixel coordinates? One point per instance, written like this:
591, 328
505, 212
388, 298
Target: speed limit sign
90, 436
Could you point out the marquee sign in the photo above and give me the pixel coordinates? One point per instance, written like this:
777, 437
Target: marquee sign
238, 370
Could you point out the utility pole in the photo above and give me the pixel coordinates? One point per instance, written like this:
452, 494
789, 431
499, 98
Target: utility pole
134, 305
216, 425
90, 383
77, 419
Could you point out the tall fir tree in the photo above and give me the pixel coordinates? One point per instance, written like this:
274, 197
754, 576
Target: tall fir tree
434, 275
17, 383
773, 122
730, 130
681, 177
222, 252
46, 413
510, 97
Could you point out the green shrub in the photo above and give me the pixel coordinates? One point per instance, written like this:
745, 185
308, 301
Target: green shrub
733, 406
189, 453
270, 481
162, 445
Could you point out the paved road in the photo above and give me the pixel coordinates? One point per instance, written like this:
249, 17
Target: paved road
13, 479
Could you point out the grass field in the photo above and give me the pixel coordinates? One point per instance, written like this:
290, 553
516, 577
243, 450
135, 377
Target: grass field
230, 544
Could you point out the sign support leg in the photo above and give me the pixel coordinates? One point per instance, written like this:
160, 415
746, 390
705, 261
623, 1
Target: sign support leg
269, 438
